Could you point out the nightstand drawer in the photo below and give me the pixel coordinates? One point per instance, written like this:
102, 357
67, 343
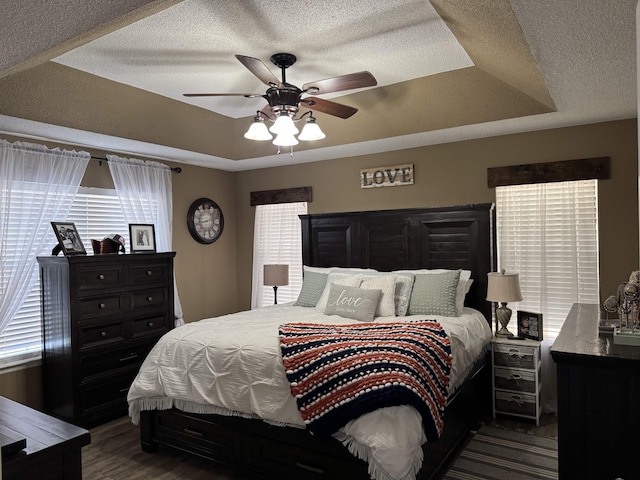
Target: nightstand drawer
515, 380
516, 403
515, 356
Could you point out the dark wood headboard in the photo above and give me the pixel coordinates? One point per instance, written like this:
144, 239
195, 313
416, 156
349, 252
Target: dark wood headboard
445, 237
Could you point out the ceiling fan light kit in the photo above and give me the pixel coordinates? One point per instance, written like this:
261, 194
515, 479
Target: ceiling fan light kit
284, 101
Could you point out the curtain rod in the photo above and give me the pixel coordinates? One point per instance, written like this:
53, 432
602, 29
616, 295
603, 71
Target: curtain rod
104, 159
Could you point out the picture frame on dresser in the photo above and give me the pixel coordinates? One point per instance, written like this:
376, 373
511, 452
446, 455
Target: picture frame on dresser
69, 241
142, 237
530, 325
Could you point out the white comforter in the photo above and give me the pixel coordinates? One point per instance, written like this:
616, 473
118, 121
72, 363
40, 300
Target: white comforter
232, 365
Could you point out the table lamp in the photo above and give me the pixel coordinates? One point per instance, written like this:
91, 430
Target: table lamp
503, 287
276, 276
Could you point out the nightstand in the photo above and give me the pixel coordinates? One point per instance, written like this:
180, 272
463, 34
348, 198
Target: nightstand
516, 378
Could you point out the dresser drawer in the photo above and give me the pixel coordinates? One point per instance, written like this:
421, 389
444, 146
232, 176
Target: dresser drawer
92, 336
515, 356
98, 277
110, 362
150, 326
515, 403
149, 273
146, 299
515, 380
110, 394
101, 306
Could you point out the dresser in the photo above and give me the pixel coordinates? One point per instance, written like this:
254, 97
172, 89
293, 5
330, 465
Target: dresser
598, 401
101, 315
516, 378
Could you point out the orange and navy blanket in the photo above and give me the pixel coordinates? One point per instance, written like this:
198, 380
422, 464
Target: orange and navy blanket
339, 372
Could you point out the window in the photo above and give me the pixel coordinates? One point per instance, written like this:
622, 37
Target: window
277, 240
96, 213
548, 233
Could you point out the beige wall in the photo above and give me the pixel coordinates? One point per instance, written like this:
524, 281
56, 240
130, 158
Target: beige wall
456, 174
216, 279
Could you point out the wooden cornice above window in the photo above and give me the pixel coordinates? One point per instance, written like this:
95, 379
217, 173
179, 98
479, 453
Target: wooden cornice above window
286, 195
583, 169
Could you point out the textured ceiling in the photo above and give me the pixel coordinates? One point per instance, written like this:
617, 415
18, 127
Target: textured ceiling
447, 70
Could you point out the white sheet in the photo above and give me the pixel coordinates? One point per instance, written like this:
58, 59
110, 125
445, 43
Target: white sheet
232, 365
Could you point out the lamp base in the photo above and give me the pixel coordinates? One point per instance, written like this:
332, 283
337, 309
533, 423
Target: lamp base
503, 316
275, 294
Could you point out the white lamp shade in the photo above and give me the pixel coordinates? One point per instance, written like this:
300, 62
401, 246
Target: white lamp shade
284, 125
276, 275
284, 140
311, 131
503, 287
258, 131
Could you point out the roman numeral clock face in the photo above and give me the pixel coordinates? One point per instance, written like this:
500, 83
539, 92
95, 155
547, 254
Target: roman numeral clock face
205, 221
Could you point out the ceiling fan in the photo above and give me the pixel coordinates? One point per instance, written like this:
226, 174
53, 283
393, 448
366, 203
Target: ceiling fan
283, 96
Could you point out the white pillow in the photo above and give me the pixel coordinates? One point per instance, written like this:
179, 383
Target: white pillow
464, 283
338, 279
387, 284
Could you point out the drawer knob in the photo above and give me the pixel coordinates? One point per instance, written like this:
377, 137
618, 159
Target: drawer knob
149, 298
101, 277
103, 334
102, 306
150, 324
149, 272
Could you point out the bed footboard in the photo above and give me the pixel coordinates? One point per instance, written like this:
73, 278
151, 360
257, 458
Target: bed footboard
276, 452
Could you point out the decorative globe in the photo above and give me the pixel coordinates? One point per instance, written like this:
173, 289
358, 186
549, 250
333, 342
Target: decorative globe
610, 304
632, 290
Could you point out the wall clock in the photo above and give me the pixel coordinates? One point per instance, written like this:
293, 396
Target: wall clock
205, 220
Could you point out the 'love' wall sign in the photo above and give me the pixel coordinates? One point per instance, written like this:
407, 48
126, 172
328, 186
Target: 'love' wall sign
387, 176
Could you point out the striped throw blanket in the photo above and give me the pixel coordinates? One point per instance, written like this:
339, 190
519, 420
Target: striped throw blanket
339, 372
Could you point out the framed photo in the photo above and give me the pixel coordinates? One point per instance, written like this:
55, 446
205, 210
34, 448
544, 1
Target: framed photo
530, 325
68, 239
142, 238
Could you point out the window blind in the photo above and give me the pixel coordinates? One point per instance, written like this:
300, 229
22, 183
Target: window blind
96, 213
548, 233
277, 240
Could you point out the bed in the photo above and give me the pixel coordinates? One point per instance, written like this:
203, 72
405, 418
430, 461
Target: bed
266, 433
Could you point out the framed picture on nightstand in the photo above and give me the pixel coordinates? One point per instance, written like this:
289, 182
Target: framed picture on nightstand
530, 325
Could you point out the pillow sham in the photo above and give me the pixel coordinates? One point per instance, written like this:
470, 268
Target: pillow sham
435, 294
340, 279
464, 283
352, 302
313, 283
404, 285
387, 285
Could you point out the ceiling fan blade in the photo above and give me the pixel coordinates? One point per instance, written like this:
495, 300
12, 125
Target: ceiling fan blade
327, 106
248, 95
260, 70
339, 83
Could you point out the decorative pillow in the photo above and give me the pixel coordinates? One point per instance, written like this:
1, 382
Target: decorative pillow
351, 302
464, 283
340, 279
387, 285
404, 284
313, 284
435, 294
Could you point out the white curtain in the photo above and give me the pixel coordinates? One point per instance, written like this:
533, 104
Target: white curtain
277, 239
37, 186
548, 233
145, 192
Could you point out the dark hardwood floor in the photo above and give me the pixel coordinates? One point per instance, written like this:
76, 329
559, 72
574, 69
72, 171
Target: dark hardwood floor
115, 454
